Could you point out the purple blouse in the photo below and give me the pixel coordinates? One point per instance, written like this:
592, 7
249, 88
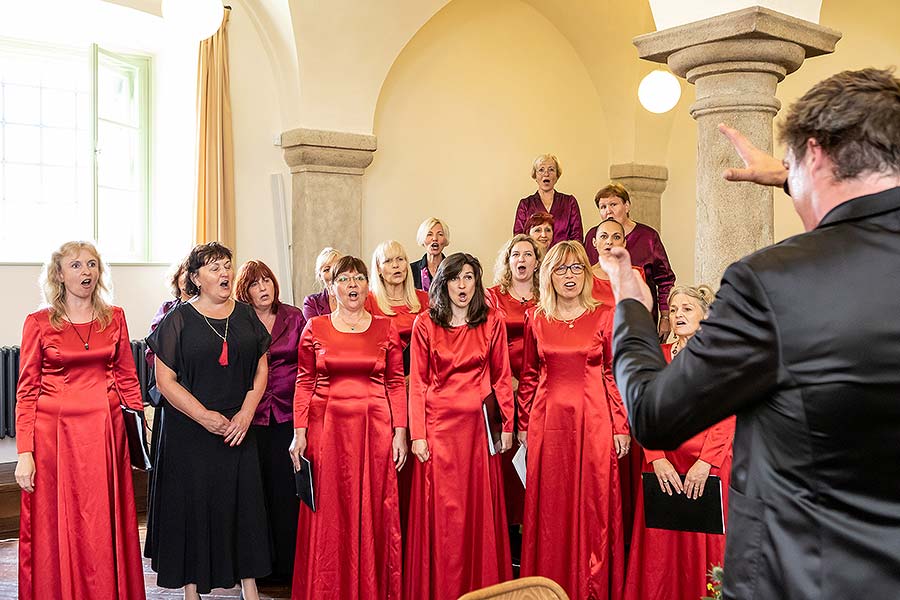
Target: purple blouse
277, 401
315, 305
154, 323
648, 253
565, 211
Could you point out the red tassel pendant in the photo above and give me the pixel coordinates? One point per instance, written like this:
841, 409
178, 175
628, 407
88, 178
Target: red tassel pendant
223, 357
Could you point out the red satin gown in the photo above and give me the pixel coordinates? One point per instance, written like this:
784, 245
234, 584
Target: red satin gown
403, 320
630, 465
513, 312
457, 540
350, 395
78, 530
570, 408
672, 565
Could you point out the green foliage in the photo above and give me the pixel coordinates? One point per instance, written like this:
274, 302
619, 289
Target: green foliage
714, 586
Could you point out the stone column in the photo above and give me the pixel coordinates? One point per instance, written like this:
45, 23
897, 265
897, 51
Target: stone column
645, 185
327, 169
736, 61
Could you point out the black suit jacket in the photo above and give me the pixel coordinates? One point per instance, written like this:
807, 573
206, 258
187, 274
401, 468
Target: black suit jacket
417, 266
803, 344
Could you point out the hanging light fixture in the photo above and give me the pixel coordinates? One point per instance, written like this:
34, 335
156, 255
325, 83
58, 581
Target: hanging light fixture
659, 91
198, 19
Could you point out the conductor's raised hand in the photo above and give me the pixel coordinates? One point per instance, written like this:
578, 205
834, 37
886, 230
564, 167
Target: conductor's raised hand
616, 262
759, 167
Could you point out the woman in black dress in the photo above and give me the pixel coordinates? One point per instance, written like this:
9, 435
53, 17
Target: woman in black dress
206, 526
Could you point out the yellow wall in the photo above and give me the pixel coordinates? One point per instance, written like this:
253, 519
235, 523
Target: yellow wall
480, 91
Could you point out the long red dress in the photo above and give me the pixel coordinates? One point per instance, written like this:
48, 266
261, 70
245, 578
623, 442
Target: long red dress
351, 395
513, 312
672, 565
403, 321
457, 537
570, 408
78, 530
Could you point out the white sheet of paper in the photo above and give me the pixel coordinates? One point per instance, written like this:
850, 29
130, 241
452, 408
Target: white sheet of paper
518, 462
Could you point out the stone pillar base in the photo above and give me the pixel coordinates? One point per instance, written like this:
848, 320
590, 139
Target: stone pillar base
645, 185
327, 169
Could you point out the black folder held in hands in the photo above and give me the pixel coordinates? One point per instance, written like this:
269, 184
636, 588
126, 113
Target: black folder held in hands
135, 432
493, 423
679, 513
303, 479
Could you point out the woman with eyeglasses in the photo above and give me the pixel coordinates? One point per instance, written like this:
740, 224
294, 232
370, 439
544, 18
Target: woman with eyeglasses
574, 426
655, 551
457, 539
563, 208
350, 422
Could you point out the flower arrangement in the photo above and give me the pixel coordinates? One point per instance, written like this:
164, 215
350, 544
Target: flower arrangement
716, 574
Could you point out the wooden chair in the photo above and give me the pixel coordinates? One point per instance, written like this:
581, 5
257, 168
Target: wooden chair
526, 588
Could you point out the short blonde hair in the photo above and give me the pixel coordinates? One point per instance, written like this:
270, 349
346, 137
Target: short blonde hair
426, 226
384, 252
702, 294
546, 158
556, 256
326, 256
502, 272
54, 290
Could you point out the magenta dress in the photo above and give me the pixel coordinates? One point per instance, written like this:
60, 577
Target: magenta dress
648, 253
566, 216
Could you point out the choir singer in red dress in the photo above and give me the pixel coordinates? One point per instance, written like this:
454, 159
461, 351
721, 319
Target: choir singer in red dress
516, 290
457, 538
574, 426
672, 565
78, 524
350, 422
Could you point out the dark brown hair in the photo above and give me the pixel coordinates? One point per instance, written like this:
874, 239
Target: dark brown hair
348, 263
174, 284
612, 190
855, 117
251, 271
439, 298
200, 256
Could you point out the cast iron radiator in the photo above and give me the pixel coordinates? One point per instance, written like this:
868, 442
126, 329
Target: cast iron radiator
9, 376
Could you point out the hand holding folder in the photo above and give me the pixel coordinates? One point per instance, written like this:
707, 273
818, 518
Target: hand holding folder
303, 480
680, 513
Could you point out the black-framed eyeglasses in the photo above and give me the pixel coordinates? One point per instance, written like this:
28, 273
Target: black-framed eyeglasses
577, 269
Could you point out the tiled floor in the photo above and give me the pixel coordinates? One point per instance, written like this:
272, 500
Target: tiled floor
9, 550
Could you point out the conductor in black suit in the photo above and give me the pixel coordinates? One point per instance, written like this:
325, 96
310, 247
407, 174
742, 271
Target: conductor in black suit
803, 345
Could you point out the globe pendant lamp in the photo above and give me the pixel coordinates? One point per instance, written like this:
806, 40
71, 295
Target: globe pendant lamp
659, 91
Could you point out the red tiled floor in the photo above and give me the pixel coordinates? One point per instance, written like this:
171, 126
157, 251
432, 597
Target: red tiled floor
9, 550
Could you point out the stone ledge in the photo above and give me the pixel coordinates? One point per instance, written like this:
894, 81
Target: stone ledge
751, 23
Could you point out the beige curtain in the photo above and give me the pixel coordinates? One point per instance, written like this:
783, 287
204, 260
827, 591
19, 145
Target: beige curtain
215, 153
